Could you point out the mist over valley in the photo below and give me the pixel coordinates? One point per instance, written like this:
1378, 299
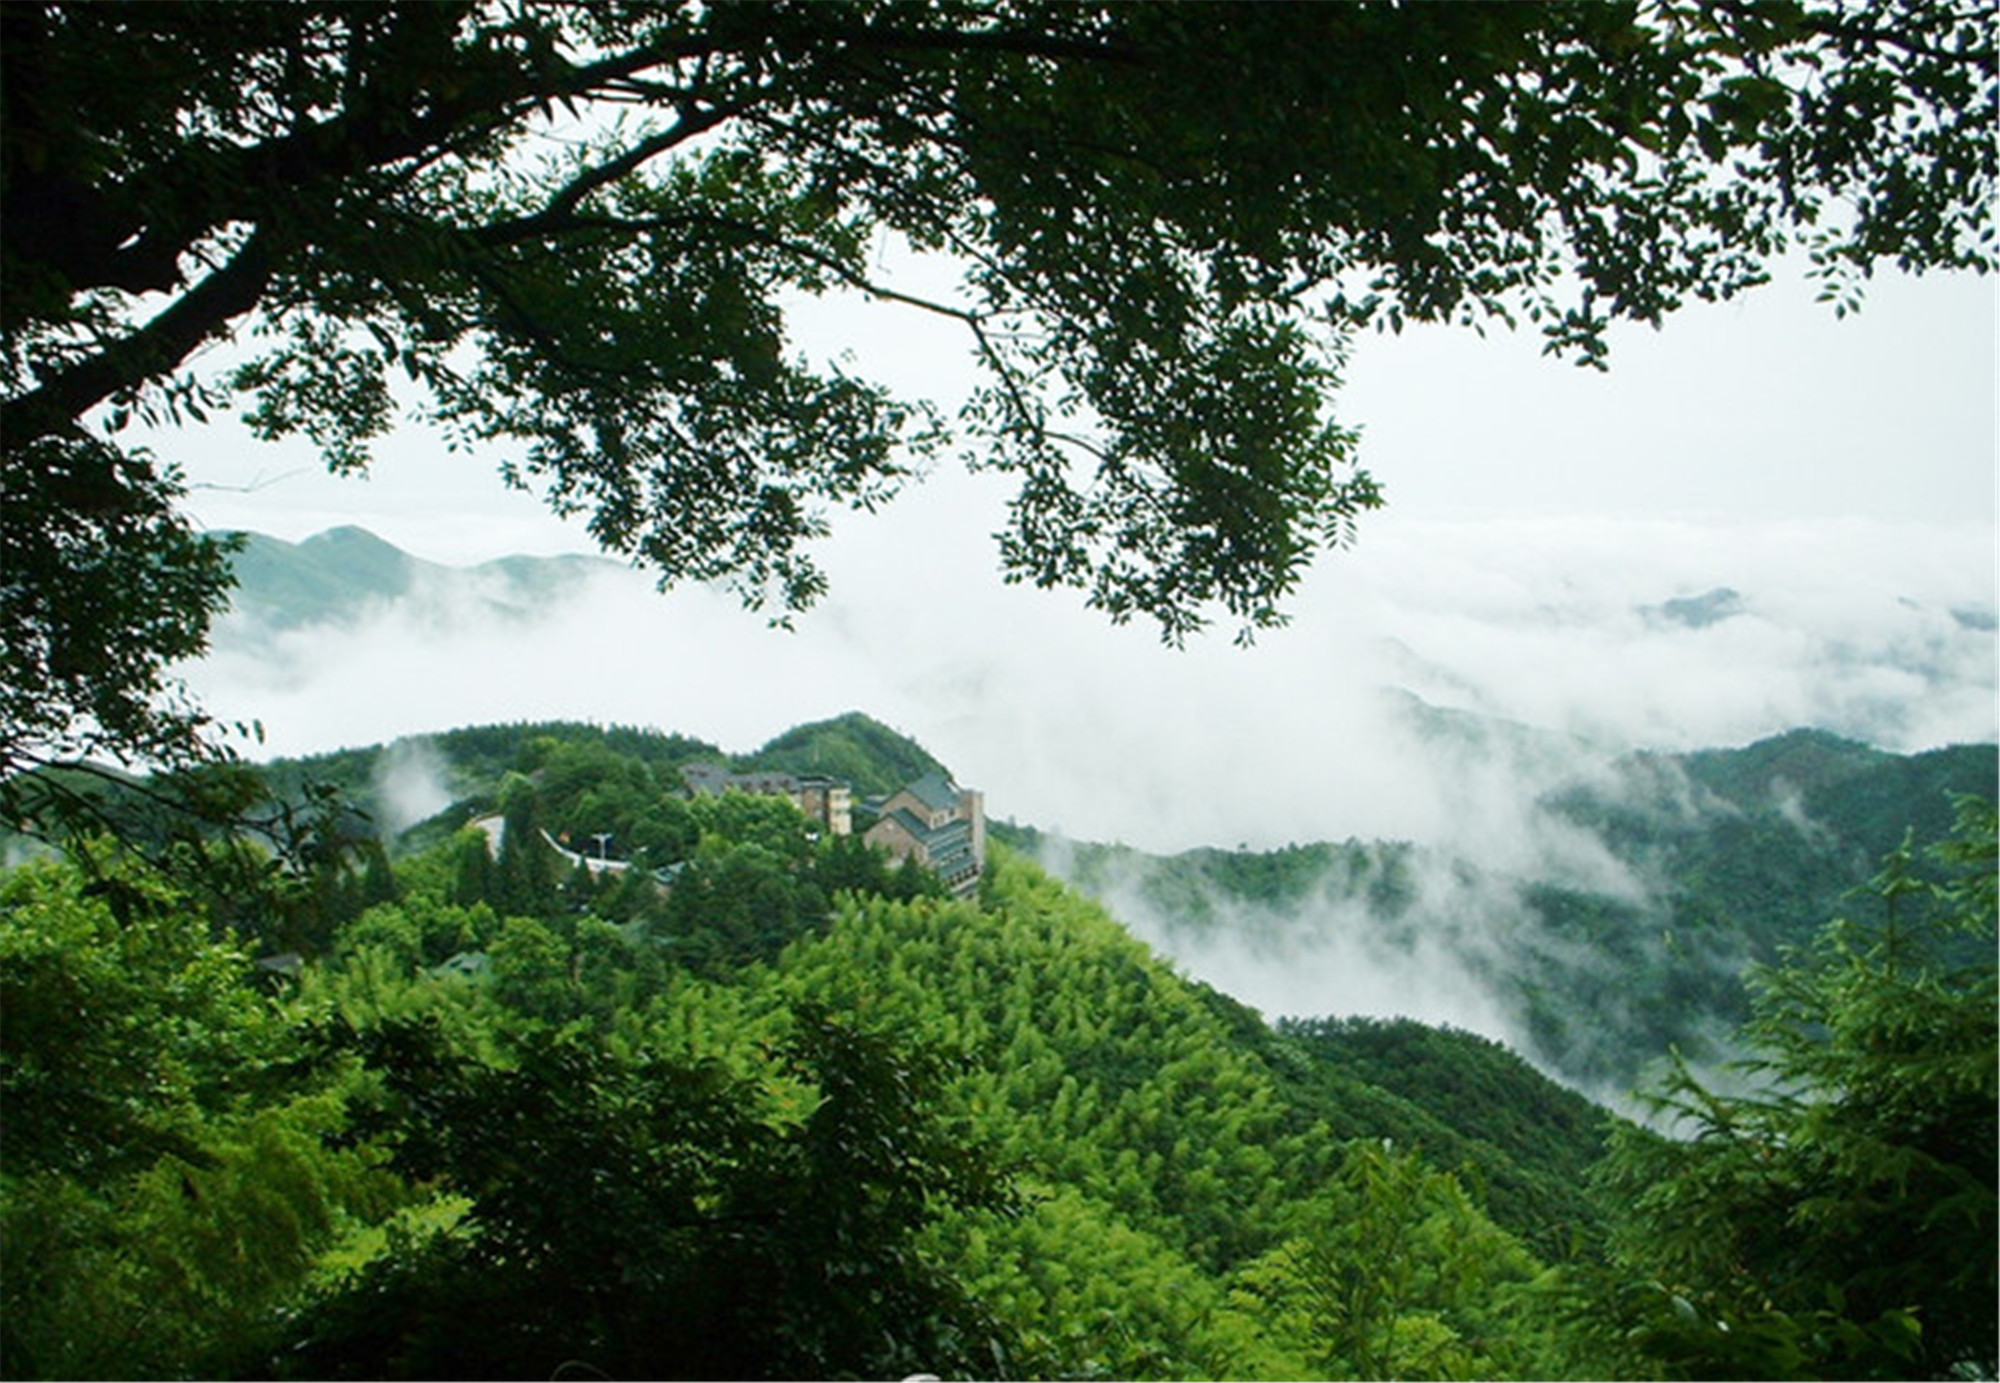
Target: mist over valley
1583, 638
1489, 792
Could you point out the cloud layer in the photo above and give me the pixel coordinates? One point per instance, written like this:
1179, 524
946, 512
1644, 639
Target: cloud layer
1877, 631
1433, 685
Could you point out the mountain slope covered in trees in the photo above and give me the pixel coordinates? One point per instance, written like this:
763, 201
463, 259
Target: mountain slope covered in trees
828, 1120
796, 1113
1697, 866
1700, 865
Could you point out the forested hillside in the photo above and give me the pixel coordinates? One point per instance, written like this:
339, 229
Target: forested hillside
1701, 865
343, 574
555, 1051
758, 1105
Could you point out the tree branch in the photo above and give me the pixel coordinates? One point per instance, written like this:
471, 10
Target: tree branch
559, 213
1854, 28
974, 321
153, 350
1016, 42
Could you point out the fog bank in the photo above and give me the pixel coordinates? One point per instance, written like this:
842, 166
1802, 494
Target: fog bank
1595, 634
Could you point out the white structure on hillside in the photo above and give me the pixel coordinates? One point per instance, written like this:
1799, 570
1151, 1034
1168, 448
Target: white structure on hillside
494, 828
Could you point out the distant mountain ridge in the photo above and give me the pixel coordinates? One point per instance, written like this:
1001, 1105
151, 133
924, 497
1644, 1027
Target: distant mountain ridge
1920, 678
335, 575
339, 576
1727, 856
1699, 611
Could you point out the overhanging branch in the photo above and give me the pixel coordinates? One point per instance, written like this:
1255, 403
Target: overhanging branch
155, 349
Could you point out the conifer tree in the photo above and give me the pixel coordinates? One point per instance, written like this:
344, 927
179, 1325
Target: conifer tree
1839, 1219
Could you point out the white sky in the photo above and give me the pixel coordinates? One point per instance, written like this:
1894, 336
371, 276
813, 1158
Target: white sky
1839, 474
1763, 408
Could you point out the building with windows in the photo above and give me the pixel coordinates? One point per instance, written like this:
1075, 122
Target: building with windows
826, 800
933, 820
939, 824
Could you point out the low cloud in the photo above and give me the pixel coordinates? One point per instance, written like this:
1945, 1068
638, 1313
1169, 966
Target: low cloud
1459, 947
1067, 721
1434, 686
412, 784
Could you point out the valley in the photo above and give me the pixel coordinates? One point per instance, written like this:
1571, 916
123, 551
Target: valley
546, 1043
518, 1110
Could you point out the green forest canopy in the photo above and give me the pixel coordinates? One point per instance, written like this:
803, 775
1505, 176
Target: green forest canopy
826, 1125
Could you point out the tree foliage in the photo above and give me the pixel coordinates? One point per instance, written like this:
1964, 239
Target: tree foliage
660, 1218
169, 1177
991, 1136
568, 236
1839, 1219
1397, 1274
1529, 1142
122, 588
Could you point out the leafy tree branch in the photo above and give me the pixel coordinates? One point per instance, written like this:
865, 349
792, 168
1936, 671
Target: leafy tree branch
575, 229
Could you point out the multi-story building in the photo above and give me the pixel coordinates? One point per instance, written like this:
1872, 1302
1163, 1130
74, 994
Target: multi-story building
940, 824
826, 800
933, 819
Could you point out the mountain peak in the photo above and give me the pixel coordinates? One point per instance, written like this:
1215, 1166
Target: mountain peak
1698, 611
348, 535
1804, 759
857, 748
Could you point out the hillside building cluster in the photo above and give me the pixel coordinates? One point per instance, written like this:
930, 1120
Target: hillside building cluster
828, 801
932, 820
